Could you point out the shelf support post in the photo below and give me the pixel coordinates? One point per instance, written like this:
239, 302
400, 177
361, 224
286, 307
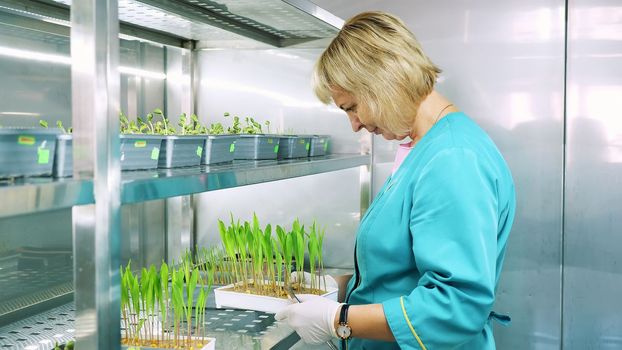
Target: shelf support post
96, 227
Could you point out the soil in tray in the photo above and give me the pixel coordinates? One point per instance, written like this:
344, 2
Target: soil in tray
280, 293
195, 344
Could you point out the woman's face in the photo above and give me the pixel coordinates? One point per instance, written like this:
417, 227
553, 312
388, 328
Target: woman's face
350, 105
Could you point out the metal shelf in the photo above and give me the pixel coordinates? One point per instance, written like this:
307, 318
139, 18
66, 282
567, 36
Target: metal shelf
221, 23
40, 331
232, 329
163, 183
30, 195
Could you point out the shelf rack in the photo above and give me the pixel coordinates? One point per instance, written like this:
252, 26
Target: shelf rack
30, 195
93, 28
275, 23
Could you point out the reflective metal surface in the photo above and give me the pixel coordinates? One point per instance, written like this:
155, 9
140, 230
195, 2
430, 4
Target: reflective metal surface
143, 238
593, 202
503, 65
273, 22
275, 85
232, 329
95, 117
163, 183
30, 195
54, 18
41, 331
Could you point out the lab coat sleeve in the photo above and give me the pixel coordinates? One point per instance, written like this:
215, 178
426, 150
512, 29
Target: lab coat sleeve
453, 225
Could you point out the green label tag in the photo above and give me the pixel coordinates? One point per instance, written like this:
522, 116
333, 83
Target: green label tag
199, 151
307, 146
276, 149
232, 148
155, 153
26, 140
270, 141
140, 143
325, 146
43, 156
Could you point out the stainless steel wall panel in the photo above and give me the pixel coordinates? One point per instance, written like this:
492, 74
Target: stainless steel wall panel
178, 94
143, 239
32, 87
270, 85
593, 202
503, 65
151, 88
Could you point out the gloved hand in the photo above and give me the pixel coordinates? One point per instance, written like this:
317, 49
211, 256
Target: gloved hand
313, 319
330, 282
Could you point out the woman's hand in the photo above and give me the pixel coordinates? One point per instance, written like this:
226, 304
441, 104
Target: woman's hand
314, 319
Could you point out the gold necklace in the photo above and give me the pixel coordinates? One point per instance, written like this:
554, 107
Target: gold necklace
441, 112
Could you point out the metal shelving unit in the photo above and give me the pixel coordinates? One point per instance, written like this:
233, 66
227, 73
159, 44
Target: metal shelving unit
278, 23
30, 195
97, 194
148, 185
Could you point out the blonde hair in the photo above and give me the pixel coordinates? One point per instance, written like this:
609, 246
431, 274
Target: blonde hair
380, 62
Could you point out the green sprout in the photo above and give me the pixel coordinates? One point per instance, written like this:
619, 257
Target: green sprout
252, 260
59, 124
148, 302
252, 126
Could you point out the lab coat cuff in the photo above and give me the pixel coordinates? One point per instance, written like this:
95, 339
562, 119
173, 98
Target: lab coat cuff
400, 324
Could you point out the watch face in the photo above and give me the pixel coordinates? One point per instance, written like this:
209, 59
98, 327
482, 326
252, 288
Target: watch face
344, 331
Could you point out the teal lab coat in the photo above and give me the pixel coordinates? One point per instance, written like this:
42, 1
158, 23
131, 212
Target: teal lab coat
431, 246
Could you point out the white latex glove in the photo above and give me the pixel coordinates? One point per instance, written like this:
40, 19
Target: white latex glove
330, 282
313, 319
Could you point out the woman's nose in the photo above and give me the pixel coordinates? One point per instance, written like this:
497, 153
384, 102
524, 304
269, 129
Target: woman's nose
356, 124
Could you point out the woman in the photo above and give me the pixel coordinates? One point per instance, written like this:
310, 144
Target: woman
430, 248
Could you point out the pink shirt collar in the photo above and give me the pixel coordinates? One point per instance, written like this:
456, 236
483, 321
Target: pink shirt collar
402, 152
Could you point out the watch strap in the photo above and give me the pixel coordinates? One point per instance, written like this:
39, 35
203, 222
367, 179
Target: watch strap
343, 313
343, 320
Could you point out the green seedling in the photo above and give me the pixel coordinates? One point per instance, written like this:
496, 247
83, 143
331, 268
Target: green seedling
250, 253
59, 125
216, 129
162, 127
148, 303
235, 127
252, 126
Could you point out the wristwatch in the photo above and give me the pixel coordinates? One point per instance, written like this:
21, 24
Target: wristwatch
343, 330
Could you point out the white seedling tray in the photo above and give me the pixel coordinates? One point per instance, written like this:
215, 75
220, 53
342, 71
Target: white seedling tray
209, 346
227, 298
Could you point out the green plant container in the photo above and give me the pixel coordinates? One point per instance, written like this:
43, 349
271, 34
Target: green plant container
26, 152
256, 147
218, 149
292, 146
319, 145
181, 151
139, 152
63, 157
